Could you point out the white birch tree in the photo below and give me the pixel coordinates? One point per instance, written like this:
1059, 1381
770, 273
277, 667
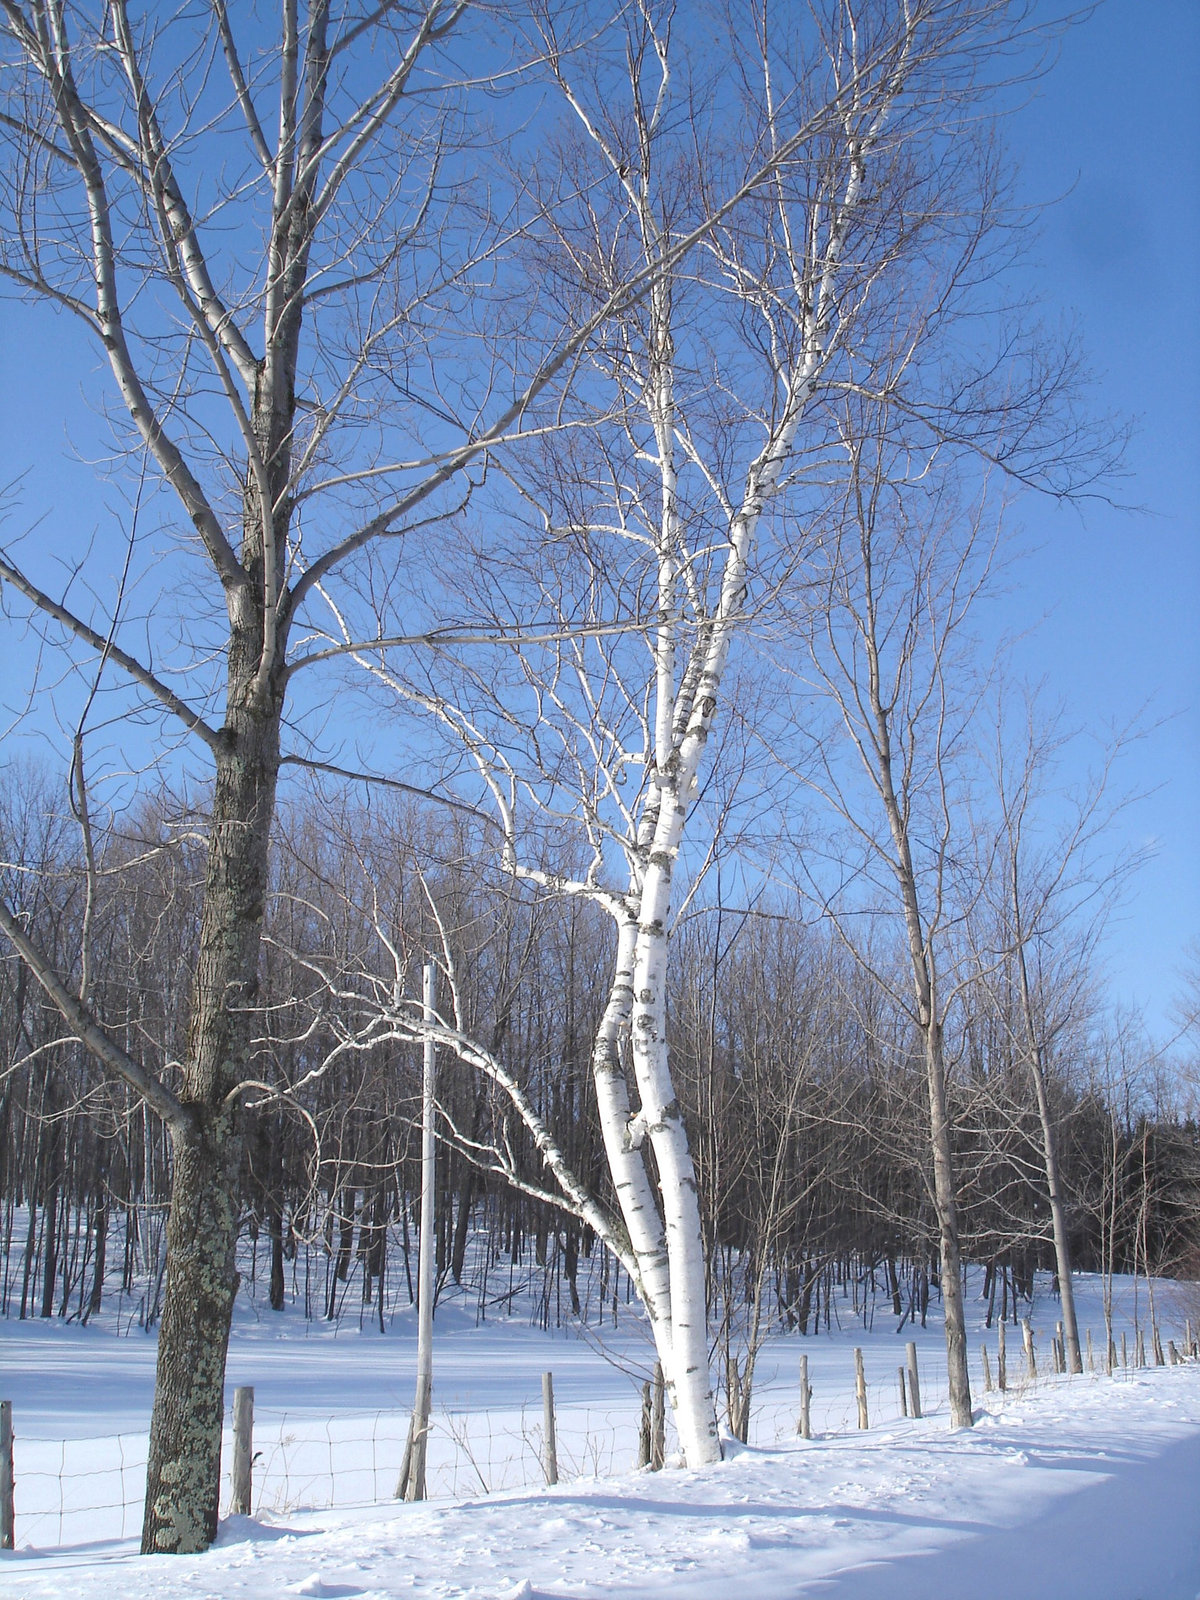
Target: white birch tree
659, 509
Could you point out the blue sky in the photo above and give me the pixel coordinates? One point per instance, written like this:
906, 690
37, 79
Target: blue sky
1114, 129
1112, 134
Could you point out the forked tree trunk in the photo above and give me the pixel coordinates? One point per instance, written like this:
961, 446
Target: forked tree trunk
688, 1375
635, 1196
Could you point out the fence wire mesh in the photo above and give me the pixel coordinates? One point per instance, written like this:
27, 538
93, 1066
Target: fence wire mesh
76, 1492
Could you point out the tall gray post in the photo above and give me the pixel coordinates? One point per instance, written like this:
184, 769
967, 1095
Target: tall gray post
414, 1487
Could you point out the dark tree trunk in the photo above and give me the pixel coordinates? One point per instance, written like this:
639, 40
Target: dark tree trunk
183, 1474
100, 1233
50, 1218
275, 1224
462, 1224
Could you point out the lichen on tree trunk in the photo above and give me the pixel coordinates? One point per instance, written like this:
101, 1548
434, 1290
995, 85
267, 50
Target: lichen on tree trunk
183, 1472
183, 1475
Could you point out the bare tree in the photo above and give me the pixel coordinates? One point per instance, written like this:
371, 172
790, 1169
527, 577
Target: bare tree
889, 647
1055, 879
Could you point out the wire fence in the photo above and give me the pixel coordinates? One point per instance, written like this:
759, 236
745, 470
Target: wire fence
78, 1492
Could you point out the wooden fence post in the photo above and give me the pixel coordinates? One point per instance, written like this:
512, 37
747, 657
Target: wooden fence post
987, 1369
1172, 1354
903, 1392
548, 1430
914, 1381
805, 1428
658, 1440
1124, 1351
1140, 1356
646, 1430
860, 1388
243, 1451
1030, 1358
1002, 1357
7, 1519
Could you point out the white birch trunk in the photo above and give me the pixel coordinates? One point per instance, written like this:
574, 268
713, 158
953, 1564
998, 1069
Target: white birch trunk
635, 1194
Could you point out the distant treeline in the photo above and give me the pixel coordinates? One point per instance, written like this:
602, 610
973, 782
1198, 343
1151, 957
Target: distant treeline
804, 1093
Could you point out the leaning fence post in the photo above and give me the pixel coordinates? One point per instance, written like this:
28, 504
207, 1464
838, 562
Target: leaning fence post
548, 1429
914, 1381
658, 1439
1002, 1357
903, 1392
805, 1401
7, 1520
987, 1369
860, 1388
243, 1451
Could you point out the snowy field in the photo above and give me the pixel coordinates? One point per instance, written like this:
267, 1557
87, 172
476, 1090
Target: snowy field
1069, 1487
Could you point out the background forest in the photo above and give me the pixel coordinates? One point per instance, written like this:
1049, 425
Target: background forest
802, 1082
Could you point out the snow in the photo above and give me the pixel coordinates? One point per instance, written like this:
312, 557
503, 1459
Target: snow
1070, 1487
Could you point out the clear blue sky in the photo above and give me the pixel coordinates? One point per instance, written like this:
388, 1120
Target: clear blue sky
1117, 124
1114, 130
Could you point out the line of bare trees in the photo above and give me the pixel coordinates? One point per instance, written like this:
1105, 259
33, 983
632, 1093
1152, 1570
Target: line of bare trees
800, 1078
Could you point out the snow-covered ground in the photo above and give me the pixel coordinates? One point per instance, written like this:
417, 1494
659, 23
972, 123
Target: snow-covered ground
1081, 1487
